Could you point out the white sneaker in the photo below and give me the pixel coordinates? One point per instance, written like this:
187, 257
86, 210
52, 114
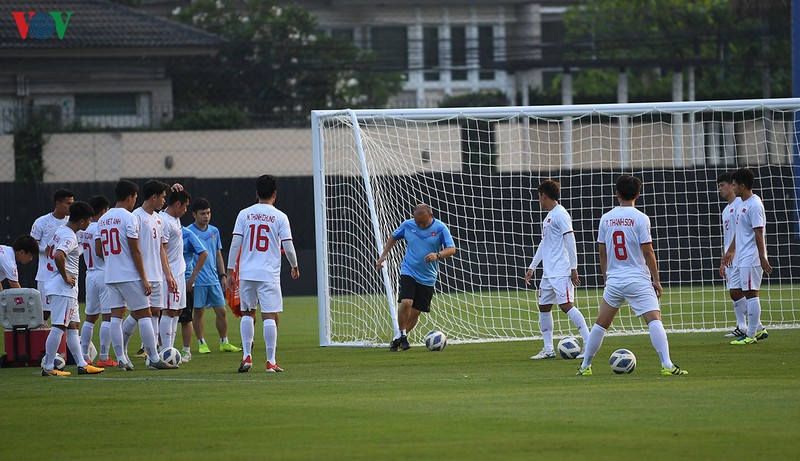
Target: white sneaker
186, 356
544, 354
736, 333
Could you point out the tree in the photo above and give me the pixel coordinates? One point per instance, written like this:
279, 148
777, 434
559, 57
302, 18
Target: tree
651, 38
274, 65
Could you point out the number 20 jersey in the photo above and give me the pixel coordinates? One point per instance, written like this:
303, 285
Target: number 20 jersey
263, 228
115, 228
623, 231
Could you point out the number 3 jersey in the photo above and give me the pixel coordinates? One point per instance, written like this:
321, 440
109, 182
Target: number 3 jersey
623, 231
262, 227
115, 228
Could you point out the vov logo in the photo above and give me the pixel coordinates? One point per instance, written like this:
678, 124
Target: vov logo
41, 26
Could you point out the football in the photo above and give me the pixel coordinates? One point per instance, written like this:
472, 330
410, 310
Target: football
59, 363
569, 348
622, 361
170, 355
435, 340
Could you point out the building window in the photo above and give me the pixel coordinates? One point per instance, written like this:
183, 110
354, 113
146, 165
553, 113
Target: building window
486, 52
106, 104
430, 51
343, 34
458, 50
390, 45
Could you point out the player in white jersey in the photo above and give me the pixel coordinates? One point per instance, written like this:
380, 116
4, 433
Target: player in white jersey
559, 257
154, 257
61, 291
746, 257
21, 251
260, 231
125, 275
630, 271
173, 236
96, 290
42, 231
729, 213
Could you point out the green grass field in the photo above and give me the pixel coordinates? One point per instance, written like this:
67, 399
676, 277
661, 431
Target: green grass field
481, 401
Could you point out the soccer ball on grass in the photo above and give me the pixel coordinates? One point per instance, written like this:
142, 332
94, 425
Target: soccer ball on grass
569, 347
622, 361
435, 341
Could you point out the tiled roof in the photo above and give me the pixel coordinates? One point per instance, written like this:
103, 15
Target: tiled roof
98, 24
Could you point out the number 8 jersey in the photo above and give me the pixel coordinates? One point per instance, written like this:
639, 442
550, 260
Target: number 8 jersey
115, 228
263, 228
623, 231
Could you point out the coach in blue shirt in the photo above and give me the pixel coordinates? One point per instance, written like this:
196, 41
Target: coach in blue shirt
428, 241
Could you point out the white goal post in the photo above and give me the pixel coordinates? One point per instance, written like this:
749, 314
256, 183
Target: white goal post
479, 169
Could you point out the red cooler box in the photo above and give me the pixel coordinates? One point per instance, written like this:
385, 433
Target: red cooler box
18, 354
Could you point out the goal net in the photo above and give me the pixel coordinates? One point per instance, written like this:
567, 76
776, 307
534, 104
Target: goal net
479, 169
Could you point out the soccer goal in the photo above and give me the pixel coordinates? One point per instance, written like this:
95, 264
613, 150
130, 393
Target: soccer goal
479, 169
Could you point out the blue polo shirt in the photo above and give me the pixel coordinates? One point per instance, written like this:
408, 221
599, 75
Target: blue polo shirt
192, 248
212, 242
419, 243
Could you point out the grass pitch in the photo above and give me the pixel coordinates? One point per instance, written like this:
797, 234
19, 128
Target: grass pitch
482, 401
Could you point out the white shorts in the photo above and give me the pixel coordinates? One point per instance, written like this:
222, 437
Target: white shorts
268, 295
130, 294
177, 300
63, 310
557, 290
640, 295
158, 294
745, 278
96, 293
40, 287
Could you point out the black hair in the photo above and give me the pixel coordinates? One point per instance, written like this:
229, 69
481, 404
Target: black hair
265, 186
550, 188
628, 186
200, 203
99, 203
61, 194
745, 177
725, 177
153, 187
26, 243
125, 189
79, 211
179, 196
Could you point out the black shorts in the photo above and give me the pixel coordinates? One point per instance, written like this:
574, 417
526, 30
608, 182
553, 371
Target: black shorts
186, 313
421, 295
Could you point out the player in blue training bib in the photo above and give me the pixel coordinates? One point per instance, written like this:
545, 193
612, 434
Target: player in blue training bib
428, 241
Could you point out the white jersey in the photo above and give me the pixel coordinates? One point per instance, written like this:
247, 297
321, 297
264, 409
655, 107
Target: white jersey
623, 231
729, 222
151, 236
66, 241
173, 235
751, 216
86, 239
116, 227
8, 264
263, 228
42, 231
555, 259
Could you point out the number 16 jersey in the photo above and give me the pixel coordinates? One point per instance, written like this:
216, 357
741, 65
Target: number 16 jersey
115, 228
623, 231
263, 228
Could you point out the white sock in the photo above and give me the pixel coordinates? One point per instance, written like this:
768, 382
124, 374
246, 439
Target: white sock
154, 321
105, 339
186, 349
74, 345
117, 340
740, 311
223, 340
580, 323
593, 344
174, 330
51, 347
165, 331
546, 327
753, 316
248, 330
148, 338
402, 332
128, 327
270, 339
659, 339
87, 330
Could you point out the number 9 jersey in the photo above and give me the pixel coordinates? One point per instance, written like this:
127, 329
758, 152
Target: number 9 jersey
115, 228
623, 231
263, 228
